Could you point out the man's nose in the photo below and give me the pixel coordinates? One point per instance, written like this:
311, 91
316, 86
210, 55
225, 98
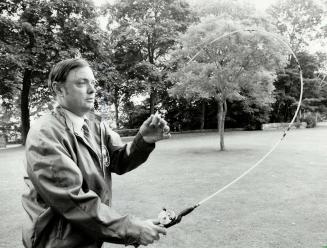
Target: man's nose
91, 88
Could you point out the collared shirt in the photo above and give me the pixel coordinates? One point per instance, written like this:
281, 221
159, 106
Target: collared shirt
76, 121
77, 124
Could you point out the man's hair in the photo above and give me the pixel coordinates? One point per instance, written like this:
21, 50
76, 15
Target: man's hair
59, 71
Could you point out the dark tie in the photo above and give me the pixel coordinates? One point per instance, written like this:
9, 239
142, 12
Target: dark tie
87, 134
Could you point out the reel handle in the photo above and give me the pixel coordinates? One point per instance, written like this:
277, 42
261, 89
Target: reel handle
179, 217
168, 218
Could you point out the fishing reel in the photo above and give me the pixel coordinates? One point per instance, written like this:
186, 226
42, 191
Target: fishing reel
168, 218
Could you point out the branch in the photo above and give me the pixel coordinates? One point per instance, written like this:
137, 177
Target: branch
322, 82
5, 41
206, 50
28, 29
218, 67
242, 68
238, 73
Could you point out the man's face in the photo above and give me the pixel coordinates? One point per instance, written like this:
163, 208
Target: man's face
77, 92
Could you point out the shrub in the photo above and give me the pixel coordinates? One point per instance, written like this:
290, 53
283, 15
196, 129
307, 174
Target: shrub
310, 120
126, 132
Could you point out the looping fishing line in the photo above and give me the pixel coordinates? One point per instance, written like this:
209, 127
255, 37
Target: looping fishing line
285, 131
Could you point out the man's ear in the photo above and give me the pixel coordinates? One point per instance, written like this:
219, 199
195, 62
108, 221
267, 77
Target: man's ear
57, 88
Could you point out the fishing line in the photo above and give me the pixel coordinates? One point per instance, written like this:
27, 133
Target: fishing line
167, 217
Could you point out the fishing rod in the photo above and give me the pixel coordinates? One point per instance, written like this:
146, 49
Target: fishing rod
169, 218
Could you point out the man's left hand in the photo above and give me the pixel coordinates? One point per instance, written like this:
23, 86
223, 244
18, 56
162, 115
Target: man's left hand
154, 129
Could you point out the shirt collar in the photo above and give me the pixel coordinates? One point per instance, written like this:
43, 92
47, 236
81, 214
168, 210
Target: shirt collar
76, 121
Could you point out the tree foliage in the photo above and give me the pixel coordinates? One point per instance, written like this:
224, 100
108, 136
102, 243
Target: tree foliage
236, 67
300, 21
145, 41
39, 34
148, 30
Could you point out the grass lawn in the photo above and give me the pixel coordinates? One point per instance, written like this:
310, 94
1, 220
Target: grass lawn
282, 203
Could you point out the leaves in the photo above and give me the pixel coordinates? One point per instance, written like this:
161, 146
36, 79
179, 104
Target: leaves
144, 33
222, 68
37, 34
298, 20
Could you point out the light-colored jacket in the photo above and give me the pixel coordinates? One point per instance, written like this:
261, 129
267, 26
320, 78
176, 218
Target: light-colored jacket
68, 203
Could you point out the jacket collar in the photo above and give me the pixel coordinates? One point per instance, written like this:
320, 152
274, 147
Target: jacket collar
65, 116
76, 122
61, 114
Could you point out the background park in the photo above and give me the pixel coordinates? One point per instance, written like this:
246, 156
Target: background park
216, 103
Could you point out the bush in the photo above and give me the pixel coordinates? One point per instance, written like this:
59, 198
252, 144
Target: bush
126, 132
310, 120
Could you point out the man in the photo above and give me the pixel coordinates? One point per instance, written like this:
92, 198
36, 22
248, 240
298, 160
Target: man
70, 155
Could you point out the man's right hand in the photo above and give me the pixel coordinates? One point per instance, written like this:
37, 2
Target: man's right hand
150, 231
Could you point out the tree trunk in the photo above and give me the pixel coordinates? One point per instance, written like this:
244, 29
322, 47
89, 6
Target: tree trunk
203, 108
116, 115
222, 110
116, 104
27, 79
316, 116
153, 97
24, 102
153, 92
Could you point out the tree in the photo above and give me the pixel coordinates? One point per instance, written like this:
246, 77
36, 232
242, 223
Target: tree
315, 92
45, 32
288, 89
238, 67
148, 29
117, 88
321, 72
234, 8
300, 21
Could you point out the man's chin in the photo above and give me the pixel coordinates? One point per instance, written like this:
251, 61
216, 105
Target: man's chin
89, 107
